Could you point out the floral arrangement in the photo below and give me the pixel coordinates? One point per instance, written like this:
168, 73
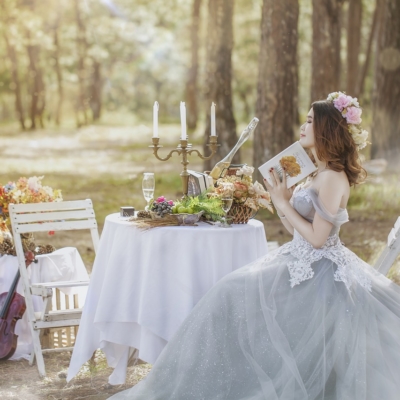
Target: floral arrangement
351, 111
245, 192
26, 190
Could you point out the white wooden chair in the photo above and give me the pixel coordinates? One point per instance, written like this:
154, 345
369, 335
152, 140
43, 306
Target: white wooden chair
391, 251
44, 217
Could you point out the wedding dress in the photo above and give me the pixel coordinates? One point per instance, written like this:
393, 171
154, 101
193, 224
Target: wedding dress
298, 323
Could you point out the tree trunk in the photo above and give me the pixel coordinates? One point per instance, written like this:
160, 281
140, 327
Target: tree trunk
219, 79
386, 99
277, 80
37, 83
365, 66
353, 45
326, 48
38, 99
191, 84
57, 67
95, 91
82, 103
12, 55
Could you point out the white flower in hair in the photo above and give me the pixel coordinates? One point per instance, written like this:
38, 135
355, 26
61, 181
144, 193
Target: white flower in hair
354, 130
361, 138
333, 96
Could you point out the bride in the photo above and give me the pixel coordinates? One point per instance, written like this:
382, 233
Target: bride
308, 321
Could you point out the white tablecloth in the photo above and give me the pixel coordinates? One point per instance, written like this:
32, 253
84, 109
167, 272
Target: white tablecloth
144, 284
62, 265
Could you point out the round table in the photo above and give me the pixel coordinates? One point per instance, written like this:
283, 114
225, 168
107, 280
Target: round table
145, 283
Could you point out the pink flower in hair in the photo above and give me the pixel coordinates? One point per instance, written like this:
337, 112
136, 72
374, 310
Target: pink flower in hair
353, 115
342, 101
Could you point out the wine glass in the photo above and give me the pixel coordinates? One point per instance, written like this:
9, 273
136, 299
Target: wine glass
148, 185
226, 201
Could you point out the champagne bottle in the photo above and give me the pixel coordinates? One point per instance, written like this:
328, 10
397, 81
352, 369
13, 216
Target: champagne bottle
222, 166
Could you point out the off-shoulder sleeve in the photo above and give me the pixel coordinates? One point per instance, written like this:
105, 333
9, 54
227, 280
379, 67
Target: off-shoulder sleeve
340, 218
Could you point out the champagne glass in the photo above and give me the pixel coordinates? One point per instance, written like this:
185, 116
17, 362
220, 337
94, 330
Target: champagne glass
226, 201
148, 185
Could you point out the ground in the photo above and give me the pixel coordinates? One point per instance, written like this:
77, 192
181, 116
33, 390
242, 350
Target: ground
105, 163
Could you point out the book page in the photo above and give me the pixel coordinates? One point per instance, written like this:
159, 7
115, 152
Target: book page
296, 161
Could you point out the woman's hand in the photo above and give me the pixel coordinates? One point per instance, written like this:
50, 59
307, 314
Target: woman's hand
278, 191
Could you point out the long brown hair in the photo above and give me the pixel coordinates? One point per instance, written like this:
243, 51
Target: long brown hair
334, 143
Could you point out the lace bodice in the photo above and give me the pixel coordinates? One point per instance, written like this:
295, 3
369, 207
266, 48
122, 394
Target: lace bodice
349, 267
305, 201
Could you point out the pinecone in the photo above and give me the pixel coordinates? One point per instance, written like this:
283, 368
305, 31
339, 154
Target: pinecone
28, 242
7, 247
143, 214
40, 250
50, 248
44, 249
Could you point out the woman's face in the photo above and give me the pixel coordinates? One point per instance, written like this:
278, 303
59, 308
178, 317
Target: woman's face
307, 131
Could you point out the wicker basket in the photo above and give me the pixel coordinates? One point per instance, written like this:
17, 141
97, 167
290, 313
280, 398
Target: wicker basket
240, 214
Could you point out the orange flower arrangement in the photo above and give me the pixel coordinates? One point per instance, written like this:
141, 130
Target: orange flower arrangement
26, 190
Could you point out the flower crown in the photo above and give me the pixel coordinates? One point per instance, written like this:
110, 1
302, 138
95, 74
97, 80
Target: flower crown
351, 111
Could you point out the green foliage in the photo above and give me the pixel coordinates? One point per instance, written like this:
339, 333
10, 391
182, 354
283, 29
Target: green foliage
210, 205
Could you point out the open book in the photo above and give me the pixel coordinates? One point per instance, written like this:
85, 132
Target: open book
296, 161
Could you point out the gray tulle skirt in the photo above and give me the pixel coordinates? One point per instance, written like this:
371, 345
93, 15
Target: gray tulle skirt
253, 336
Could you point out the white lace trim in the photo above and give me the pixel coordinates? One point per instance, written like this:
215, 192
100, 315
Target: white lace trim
349, 266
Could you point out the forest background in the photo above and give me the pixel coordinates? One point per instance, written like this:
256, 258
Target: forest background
78, 80
94, 60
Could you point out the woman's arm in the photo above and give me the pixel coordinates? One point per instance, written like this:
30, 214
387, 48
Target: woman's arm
330, 193
284, 220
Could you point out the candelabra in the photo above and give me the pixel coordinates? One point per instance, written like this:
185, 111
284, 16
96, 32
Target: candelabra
184, 149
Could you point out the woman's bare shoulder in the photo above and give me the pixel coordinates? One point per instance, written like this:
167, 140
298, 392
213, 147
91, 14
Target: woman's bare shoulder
335, 176
334, 181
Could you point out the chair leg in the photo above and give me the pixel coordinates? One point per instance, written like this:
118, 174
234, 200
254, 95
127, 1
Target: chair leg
32, 358
37, 352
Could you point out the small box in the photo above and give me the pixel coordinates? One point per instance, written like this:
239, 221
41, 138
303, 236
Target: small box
127, 211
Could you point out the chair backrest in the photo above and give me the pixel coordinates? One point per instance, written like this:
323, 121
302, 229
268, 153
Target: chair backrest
391, 251
54, 216
42, 217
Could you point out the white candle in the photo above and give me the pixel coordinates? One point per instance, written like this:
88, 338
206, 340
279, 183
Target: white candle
213, 132
183, 121
155, 120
